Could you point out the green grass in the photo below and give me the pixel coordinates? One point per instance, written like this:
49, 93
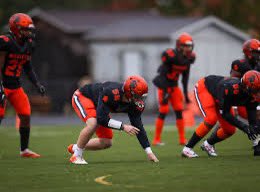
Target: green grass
234, 170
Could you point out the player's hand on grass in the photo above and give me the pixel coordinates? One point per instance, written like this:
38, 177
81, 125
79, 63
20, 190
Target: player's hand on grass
152, 157
251, 132
131, 130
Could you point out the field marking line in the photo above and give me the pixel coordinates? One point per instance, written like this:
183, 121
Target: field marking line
102, 181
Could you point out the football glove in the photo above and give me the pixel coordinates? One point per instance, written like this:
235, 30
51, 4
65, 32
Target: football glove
250, 131
41, 89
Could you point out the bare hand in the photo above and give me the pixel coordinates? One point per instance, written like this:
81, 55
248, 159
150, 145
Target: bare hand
152, 157
131, 130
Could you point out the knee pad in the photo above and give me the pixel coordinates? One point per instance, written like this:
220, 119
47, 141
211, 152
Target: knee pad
178, 114
162, 116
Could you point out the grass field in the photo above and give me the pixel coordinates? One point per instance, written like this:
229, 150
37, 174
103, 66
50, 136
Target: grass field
124, 165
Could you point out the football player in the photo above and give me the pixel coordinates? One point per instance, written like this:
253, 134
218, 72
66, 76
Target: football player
93, 103
15, 56
215, 97
175, 62
251, 61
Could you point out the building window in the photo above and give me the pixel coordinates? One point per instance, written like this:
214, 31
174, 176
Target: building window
132, 63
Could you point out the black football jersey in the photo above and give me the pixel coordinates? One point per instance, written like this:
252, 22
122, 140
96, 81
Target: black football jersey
227, 92
108, 98
17, 58
173, 65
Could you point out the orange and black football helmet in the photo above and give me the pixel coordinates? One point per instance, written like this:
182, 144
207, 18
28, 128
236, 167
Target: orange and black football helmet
251, 49
185, 40
136, 89
21, 25
251, 83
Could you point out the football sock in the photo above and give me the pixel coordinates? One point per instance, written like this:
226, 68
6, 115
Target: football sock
200, 132
74, 147
180, 127
24, 137
193, 140
158, 128
78, 151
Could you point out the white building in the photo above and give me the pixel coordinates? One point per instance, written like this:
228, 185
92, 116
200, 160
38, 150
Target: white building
119, 44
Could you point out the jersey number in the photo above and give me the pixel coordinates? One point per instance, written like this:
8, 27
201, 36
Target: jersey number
14, 68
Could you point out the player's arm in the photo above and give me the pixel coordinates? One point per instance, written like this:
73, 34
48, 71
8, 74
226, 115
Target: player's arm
235, 69
251, 109
29, 71
3, 48
225, 110
185, 80
2, 95
103, 117
136, 121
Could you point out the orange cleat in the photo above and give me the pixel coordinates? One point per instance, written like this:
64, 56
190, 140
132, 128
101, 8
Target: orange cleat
70, 149
78, 160
27, 153
158, 143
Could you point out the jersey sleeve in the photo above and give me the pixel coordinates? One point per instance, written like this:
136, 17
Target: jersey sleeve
107, 97
29, 71
103, 108
226, 93
251, 109
4, 43
136, 121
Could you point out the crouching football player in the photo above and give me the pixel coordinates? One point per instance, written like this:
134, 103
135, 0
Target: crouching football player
215, 97
93, 104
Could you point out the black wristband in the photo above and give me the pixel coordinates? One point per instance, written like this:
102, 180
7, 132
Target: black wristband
122, 127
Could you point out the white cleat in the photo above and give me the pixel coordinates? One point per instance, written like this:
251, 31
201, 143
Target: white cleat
78, 160
209, 149
189, 153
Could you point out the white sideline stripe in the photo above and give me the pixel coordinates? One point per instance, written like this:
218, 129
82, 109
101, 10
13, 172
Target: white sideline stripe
79, 106
198, 101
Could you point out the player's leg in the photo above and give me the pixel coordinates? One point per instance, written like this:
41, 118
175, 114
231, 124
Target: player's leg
19, 100
207, 107
104, 140
85, 109
159, 122
177, 105
224, 131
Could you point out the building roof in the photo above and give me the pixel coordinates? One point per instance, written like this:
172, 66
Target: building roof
104, 25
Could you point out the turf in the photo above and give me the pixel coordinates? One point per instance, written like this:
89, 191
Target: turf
124, 165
